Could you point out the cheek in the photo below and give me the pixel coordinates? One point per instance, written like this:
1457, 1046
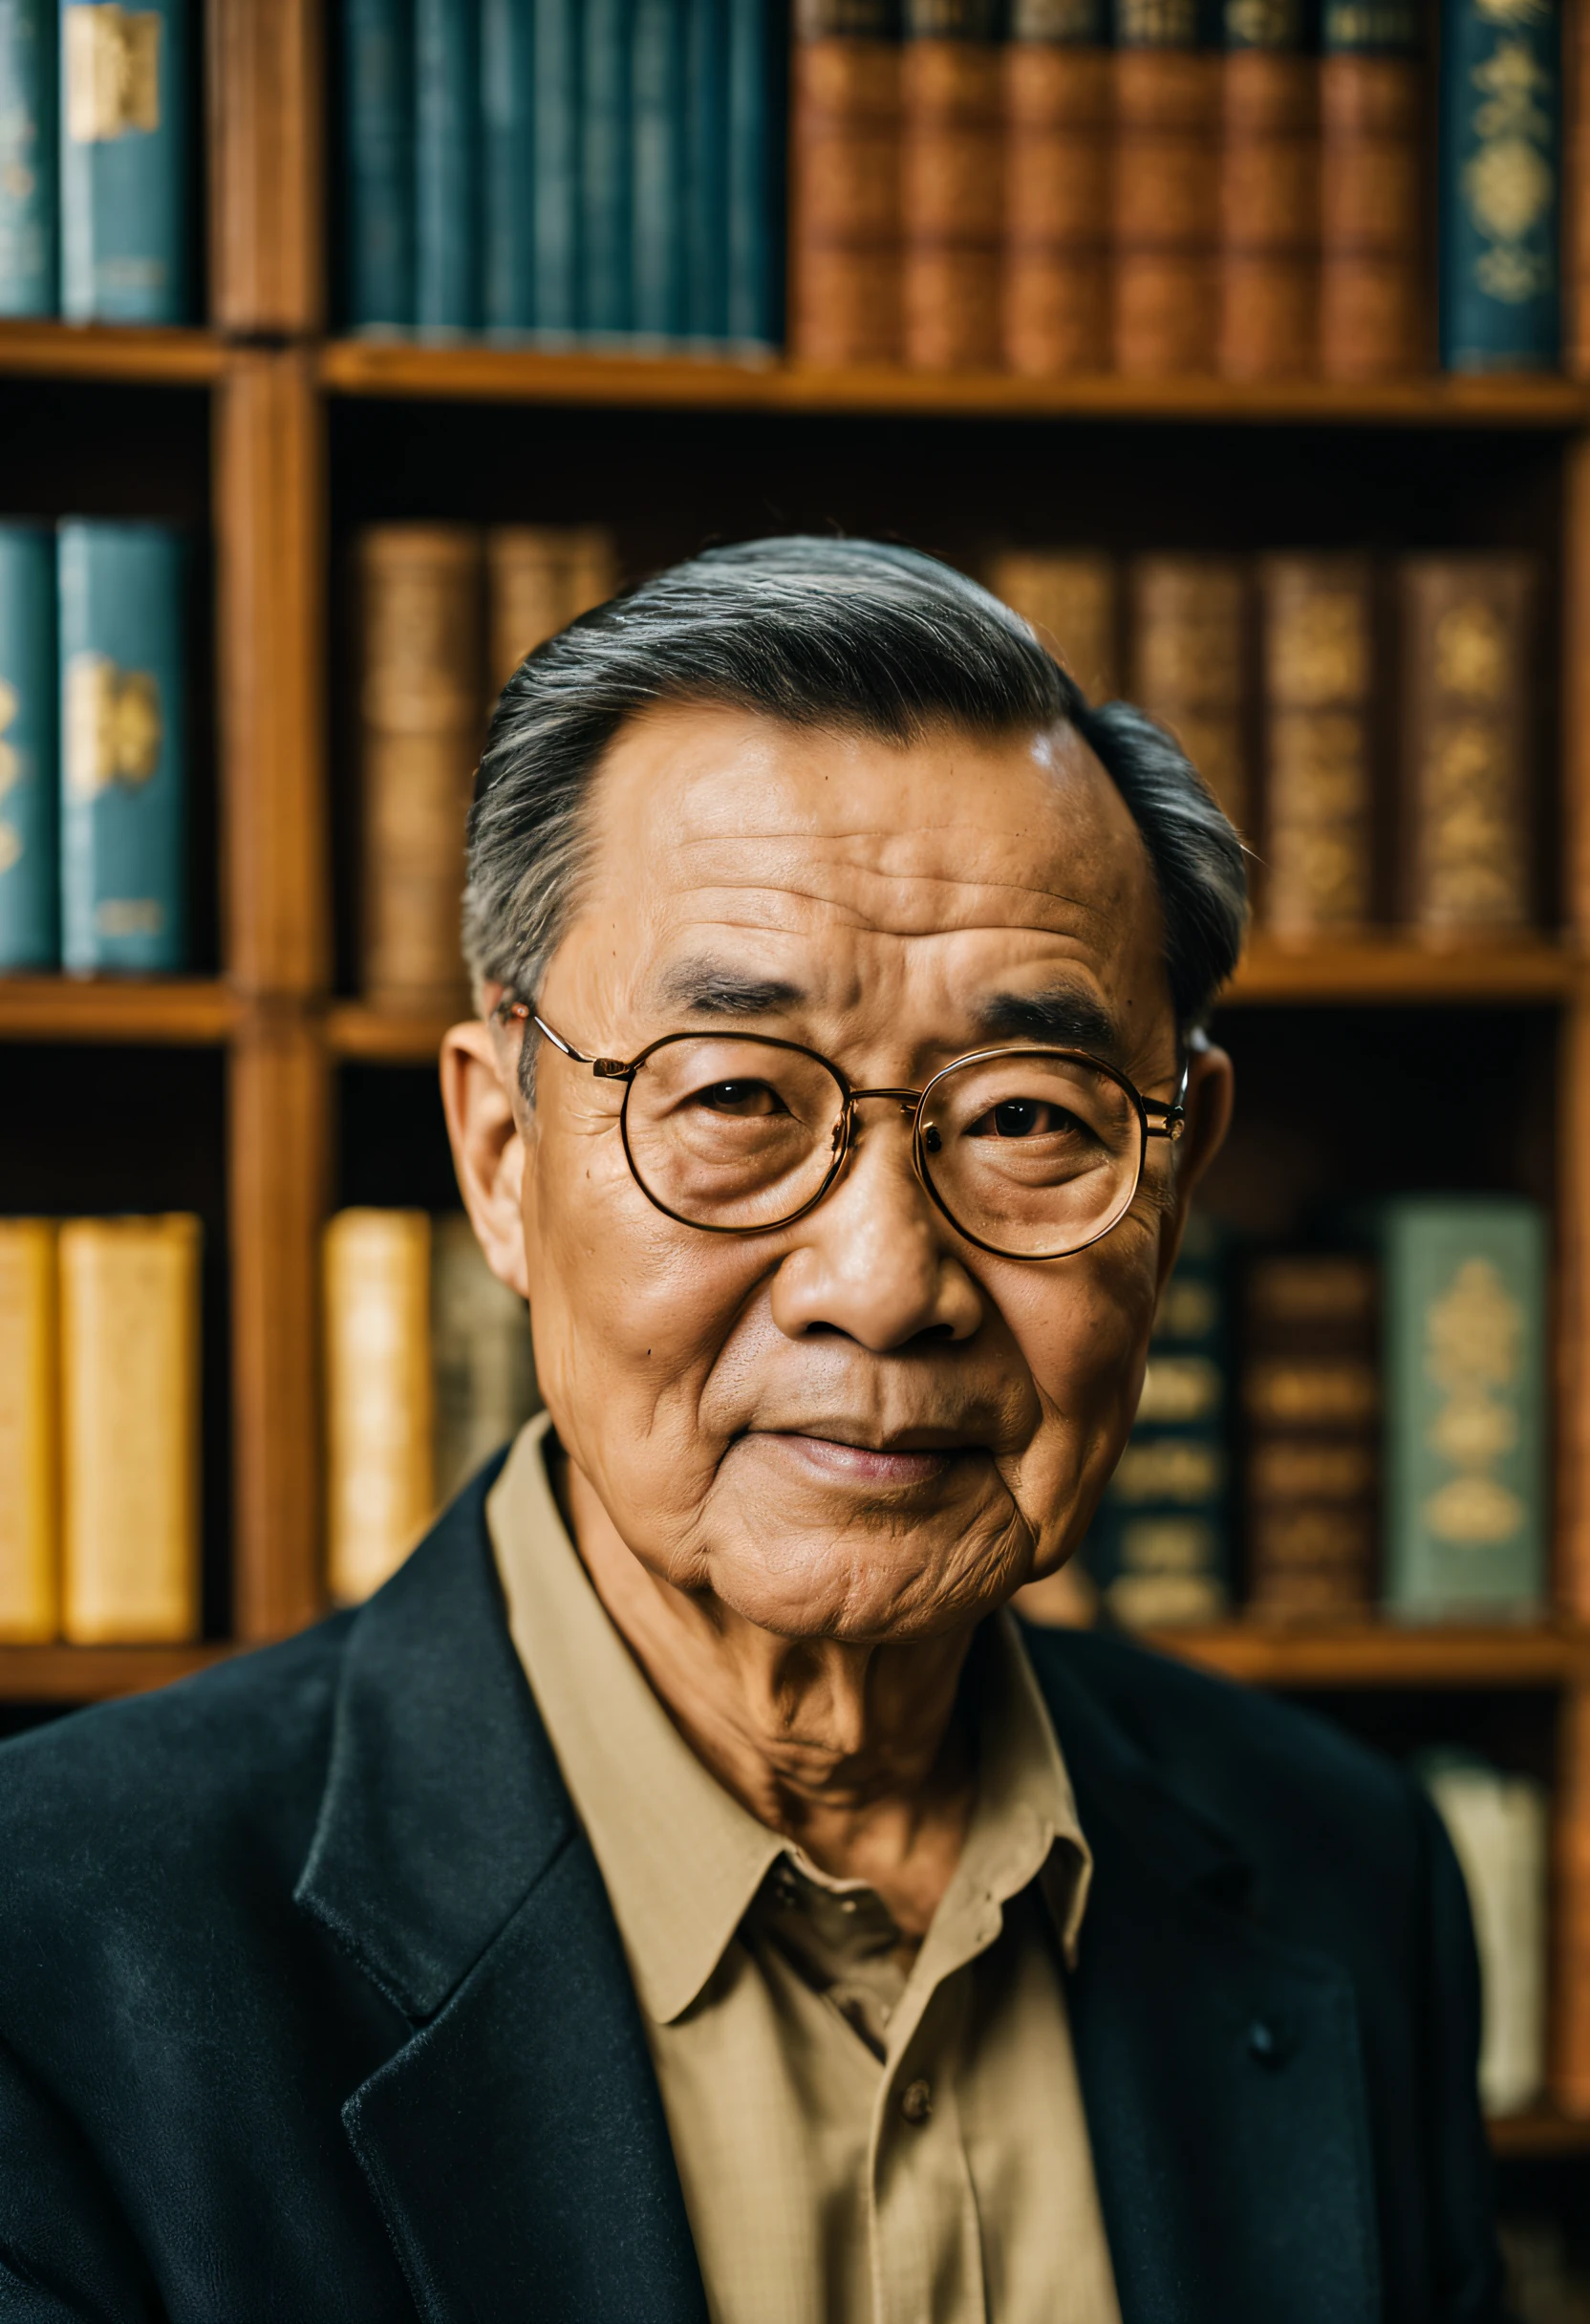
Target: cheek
1083, 1333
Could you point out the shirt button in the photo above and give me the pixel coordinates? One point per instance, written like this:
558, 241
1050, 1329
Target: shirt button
916, 2101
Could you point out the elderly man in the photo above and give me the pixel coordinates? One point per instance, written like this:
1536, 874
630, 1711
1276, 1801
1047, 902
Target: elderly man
684, 1892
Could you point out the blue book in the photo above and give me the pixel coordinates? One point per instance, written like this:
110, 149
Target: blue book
1499, 185
125, 184
28, 811
447, 166
123, 749
755, 172
605, 166
27, 157
377, 64
657, 132
706, 169
507, 155
559, 307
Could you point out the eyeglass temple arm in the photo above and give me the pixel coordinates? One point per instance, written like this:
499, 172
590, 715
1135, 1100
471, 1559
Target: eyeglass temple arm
1172, 1118
520, 1012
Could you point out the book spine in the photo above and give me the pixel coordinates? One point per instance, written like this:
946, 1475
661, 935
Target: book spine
1166, 190
124, 176
1576, 193
29, 1442
1071, 597
447, 166
1570, 2018
539, 578
508, 165
951, 200
378, 67
379, 1423
658, 125
483, 1360
1059, 88
1499, 156
559, 256
1497, 1827
30, 936
129, 1324
607, 198
592, 569
1372, 306
706, 169
1466, 1396
1467, 629
123, 747
1317, 616
845, 240
421, 703
27, 157
1269, 193
1188, 664
756, 177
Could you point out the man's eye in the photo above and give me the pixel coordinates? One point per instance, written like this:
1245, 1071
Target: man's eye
746, 1101
1026, 1117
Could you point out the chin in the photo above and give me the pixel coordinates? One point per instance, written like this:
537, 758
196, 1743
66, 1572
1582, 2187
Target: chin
868, 1584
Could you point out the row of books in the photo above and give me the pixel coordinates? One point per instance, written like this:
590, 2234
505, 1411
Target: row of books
564, 170
93, 748
1366, 726
96, 171
1345, 1428
1166, 186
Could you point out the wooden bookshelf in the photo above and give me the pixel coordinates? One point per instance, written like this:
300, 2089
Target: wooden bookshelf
1382, 1654
95, 1675
128, 355
186, 1010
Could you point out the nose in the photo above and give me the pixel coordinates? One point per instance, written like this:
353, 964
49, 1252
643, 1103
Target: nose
874, 1261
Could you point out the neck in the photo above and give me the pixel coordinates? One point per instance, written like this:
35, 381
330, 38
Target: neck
854, 1752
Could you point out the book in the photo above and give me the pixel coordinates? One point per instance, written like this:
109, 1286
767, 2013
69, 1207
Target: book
1188, 665
1311, 1412
559, 251
380, 1458
845, 138
1497, 1826
704, 201
1166, 188
1466, 1395
1269, 193
123, 746
125, 124
540, 578
378, 114
507, 165
950, 206
1468, 683
447, 147
1072, 599
606, 193
1373, 232
482, 1360
1575, 194
30, 809
28, 110
1317, 625
755, 169
1571, 2031
1058, 92
129, 1339
421, 700
30, 1434
659, 288
1498, 192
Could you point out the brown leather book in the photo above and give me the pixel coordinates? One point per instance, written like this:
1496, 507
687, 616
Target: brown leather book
1059, 86
1189, 663
420, 696
1166, 190
952, 202
539, 579
1071, 596
1317, 652
844, 182
1269, 194
1467, 625
1373, 315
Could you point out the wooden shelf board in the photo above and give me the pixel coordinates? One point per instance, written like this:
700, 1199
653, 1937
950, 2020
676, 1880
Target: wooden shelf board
106, 351
94, 1675
1391, 970
389, 1037
479, 372
1384, 1654
181, 1010
1542, 2132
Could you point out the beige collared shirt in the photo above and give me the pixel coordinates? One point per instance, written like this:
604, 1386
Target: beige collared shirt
863, 2138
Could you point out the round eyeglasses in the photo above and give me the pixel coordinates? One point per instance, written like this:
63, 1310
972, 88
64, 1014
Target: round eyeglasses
1029, 1153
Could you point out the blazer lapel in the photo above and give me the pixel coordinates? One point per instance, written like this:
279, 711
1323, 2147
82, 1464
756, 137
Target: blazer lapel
516, 2144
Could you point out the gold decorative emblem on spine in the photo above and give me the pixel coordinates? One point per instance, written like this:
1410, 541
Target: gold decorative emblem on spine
113, 72
1158, 24
1509, 181
1474, 1337
1263, 23
11, 773
114, 729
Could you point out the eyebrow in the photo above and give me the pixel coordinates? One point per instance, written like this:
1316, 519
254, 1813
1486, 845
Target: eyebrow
1061, 1016
708, 988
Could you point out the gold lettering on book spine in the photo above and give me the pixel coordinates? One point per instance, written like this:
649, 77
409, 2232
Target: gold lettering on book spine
1473, 1339
113, 72
114, 729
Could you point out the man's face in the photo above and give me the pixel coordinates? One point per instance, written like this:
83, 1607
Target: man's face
858, 1426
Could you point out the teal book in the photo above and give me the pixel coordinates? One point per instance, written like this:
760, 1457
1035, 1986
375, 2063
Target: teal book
604, 195
1464, 1359
447, 166
123, 747
706, 169
559, 256
753, 167
507, 163
28, 882
126, 184
377, 92
1499, 185
27, 157
657, 160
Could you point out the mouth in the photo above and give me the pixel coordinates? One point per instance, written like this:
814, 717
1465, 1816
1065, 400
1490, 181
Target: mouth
914, 1457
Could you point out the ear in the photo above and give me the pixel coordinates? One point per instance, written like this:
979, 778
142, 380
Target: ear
1211, 1087
486, 1129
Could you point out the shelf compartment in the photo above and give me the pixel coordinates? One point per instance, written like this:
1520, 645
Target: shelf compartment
1391, 970
389, 1037
112, 351
94, 1674
180, 1011
1386, 1655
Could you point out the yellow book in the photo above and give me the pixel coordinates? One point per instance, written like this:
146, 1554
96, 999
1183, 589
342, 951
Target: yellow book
129, 1322
541, 577
29, 1442
1072, 600
381, 1463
